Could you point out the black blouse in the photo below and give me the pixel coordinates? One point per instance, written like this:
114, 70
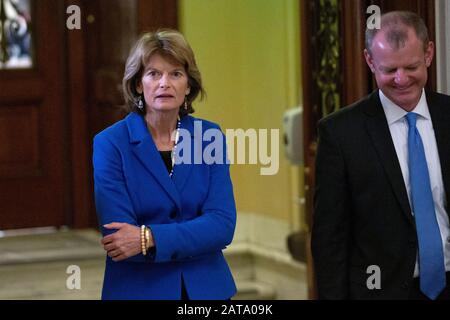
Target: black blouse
167, 158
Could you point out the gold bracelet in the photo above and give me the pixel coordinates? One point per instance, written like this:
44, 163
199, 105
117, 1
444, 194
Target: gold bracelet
143, 248
147, 238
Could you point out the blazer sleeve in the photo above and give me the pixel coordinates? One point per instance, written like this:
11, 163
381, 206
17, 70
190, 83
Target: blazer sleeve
112, 200
331, 218
211, 231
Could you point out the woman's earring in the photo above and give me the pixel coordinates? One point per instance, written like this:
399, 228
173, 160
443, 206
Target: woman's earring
140, 103
185, 103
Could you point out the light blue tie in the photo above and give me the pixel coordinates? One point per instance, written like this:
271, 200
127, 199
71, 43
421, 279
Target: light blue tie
431, 256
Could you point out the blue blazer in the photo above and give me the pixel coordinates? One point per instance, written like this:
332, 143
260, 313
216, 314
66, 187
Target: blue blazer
192, 215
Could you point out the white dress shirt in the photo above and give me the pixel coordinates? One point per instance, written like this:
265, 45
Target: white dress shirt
398, 126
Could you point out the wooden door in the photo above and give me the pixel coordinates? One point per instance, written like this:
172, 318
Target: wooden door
33, 132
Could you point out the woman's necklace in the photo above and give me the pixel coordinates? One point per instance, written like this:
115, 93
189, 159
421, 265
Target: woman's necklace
177, 136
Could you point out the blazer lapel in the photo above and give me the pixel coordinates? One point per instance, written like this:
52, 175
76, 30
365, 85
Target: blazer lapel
378, 130
440, 116
145, 150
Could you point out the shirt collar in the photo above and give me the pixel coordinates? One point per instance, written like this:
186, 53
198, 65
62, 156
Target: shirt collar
394, 113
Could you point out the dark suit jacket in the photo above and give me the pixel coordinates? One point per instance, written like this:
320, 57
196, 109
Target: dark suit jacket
362, 215
192, 216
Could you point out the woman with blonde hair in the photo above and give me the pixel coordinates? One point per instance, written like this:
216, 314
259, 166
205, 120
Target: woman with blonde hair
165, 222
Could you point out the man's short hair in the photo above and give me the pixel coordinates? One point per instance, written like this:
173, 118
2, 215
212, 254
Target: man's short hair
395, 24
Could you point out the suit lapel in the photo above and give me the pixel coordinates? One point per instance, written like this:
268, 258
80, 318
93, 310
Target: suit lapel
378, 130
145, 150
440, 116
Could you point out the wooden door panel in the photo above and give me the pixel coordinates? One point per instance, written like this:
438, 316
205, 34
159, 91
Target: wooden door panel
32, 116
19, 132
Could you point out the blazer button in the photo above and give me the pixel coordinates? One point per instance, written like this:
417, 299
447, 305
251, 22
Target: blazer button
173, 214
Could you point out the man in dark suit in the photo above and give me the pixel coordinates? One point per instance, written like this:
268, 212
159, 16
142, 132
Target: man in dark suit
367, 237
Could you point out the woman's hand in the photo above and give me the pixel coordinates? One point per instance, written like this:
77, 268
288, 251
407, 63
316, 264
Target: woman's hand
124, 243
